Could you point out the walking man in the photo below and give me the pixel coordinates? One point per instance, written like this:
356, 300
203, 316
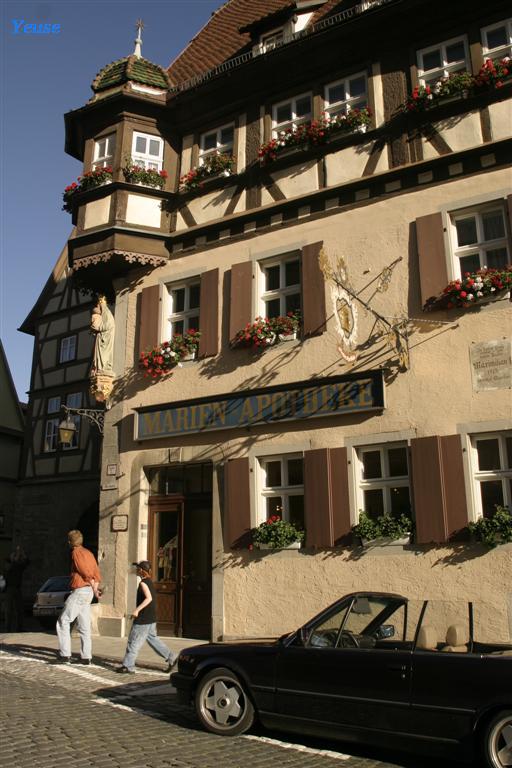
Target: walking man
144, 624
84, 583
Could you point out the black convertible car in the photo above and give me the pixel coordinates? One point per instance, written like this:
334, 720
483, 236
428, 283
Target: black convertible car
372, 668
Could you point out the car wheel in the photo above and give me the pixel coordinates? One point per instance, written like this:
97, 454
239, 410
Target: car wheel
222, 704
498, 740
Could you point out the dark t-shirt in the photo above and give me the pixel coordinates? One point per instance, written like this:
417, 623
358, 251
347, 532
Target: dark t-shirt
148, 614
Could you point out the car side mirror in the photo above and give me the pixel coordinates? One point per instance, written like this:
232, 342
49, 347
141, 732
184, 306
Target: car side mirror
385, 631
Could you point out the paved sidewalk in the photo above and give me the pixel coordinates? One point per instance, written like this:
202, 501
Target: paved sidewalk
103, 648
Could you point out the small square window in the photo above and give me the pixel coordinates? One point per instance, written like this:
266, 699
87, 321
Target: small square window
441, 60
53, 405
497, 40
344, 95
281, 285
67, 349
289, 114
147, 151
184, 307
383, 480
219, 141
282, 488
479, 239
51, 435
492, 471
104, 151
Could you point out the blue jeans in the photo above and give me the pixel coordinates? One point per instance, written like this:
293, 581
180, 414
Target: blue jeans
77, 606
140, 634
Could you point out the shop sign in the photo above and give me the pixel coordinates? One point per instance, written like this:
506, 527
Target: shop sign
300, 400
491, 365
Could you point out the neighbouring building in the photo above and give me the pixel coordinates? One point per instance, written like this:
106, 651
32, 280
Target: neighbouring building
12, 425
59, 482
339, 164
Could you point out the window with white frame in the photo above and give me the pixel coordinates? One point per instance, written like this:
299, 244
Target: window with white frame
74, 400
183, 306
67, 349
491, 460
281, 488
281, 286
104, 151
291, 113
497, 40
50, 435
344, 95
479, 239
271, 39
218, 141
383, 480
53, 405
441, 60
147, 151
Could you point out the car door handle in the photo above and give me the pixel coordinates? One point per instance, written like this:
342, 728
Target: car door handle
402, 668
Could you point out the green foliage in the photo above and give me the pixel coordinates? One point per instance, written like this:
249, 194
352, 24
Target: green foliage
383, 527
493, 530
277, 533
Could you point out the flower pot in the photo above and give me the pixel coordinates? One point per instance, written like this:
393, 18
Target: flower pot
288, 336
264, 546
361, 128
385, 541
188, 356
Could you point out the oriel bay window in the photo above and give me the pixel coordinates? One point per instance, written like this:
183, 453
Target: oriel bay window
104, 149
492, 471
383, 480
281, 480
442, 59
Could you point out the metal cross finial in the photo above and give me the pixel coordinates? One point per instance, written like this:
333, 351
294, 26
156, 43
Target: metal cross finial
139, 26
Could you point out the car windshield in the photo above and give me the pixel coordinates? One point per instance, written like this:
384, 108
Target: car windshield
56, 584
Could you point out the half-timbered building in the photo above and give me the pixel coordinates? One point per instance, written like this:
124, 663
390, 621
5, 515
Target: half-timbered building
342, 164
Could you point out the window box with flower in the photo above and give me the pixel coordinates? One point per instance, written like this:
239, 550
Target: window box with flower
216, 165
258, 335
89, 180
161, 360
286, 327
315, 133
276, 533
383, 530
145, 177
473, 289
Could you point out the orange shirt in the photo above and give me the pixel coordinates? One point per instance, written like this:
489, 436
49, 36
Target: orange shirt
84, 568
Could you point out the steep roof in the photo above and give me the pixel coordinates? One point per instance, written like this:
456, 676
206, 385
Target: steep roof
221, 39
11, 415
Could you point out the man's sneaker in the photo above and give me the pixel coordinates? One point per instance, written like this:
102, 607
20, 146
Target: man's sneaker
171, 666
86, 662
61, 660
125, 671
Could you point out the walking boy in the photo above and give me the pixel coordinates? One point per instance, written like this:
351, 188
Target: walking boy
84, 583
144, 624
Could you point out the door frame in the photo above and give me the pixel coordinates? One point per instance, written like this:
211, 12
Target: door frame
157, 504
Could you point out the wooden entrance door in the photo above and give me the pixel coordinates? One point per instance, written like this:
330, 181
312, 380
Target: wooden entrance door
166, 558
180, 555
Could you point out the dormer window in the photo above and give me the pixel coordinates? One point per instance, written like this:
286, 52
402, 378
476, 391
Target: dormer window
104, 151
344, 95
291, 113
271, 40
147, 151
218, 141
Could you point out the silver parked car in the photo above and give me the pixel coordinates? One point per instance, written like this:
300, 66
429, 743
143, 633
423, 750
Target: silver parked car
50, 599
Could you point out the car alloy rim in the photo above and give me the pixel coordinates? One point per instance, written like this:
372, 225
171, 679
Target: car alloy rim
223, 703
500, 743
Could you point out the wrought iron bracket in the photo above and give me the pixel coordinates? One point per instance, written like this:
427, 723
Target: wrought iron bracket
94, 415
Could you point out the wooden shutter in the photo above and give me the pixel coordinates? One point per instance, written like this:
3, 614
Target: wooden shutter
149, 314
454, 486
340, 504
241, 297
438, 488
237, 503
313, 292
209, 314
509, 207
431, 255
326, 504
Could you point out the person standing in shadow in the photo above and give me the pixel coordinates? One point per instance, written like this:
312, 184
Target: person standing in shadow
16, 564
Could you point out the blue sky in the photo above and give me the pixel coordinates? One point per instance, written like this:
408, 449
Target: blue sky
42, 77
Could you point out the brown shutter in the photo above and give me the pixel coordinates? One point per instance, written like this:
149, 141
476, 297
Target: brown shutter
342, 525
438, 488
149, 326
428, 490
509, 206
326, 502
237, 503
313, 291
209, 314
454, 486
241, 297
431, 255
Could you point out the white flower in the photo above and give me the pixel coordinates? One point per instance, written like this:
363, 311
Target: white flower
470, 296
493, 289
479, 294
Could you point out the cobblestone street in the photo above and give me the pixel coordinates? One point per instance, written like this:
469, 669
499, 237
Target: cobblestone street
75, 716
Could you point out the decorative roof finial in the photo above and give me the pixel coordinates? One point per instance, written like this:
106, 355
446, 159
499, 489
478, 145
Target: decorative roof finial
139, 26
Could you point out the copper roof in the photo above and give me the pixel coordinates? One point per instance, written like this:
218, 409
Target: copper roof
220, 39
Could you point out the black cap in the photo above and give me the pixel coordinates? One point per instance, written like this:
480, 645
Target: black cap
144, 565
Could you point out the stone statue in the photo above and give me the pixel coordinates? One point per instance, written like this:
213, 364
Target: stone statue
102, 372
